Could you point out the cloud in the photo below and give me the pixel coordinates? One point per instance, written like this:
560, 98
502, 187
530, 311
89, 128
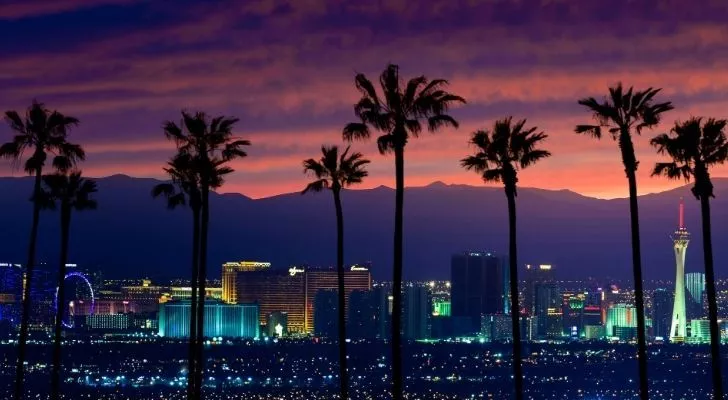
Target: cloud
16, 9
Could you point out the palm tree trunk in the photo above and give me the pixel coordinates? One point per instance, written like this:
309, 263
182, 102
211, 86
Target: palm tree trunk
204, 223
193, 302
712, 304
29, 268
515, 308
60, 303
638, 289
343, 373
397, 376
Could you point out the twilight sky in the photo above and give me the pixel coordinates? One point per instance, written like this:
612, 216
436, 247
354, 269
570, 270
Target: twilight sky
286, 69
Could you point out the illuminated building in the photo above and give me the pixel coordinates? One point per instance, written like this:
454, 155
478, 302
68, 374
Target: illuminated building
695, 285
699, 331
534, 274
326, 309
277, 324
108, 322
496, 327
594, 332
355, 278
230, 273
275, 290
680, 240
477, 287
11, 292
620, 315
146, 296
185, 292
221, 320
547, 309
441, 308
417, 307
572, 310
662, 302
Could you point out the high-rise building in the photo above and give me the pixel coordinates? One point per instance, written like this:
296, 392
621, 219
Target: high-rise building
620, 315
533, 274
572, 310
274, 290
221, 320
699, 331
326, 313
185, 292
369, 314
108, 322
416, 312
548, 309
496, 327
680, 240
230, 273
477, 286
146, 296
356, 277
662, 302
695, 285
11, 293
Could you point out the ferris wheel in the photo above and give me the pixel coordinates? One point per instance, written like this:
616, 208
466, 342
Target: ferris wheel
79, 295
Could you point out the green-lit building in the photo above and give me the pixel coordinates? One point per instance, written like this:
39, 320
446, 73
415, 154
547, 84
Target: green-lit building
221, 320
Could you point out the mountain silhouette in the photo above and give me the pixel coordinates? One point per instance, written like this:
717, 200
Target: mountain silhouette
132, 235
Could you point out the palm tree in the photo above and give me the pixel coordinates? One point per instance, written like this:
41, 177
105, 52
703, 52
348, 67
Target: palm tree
694, 147
70, 192
500, 153
40, 131
183, 189
211, 145
399, 114
336, 172
623, 113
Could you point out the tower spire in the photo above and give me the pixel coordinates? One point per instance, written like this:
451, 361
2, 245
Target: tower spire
682, 214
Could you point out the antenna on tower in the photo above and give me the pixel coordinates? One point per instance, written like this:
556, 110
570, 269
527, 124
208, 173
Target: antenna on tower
682, 214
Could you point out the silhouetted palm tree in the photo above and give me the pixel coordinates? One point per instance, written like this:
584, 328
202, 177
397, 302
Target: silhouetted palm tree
500, 153
336, 172
184, 189
399, 114
211, 145
694, 147
40, 131
623, 113
69, 192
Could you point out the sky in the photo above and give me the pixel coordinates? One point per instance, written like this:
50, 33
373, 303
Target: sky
286, 69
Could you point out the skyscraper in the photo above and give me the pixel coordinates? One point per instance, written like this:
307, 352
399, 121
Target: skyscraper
417, 312
662, 301
275, 290
680, 240
229, 276
620, 316
356, 277
534, 274
477, 286
548, 309
369, 314
695, 285
326, 313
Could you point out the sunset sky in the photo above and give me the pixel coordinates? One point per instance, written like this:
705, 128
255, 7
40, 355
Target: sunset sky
286, 69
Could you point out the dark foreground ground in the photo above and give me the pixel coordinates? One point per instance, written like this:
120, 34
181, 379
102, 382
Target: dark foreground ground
306, 370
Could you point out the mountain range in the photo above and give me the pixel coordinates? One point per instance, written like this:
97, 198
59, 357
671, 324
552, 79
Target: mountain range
132, 235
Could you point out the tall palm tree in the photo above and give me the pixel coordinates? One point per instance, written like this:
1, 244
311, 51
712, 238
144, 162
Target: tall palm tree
41, 132
500, 153
399, 114
69, 192
211, 145
184, 189
336, 172
623, 113
694, 147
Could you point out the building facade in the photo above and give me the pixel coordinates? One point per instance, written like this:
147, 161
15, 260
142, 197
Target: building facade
221, 320
477, 286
